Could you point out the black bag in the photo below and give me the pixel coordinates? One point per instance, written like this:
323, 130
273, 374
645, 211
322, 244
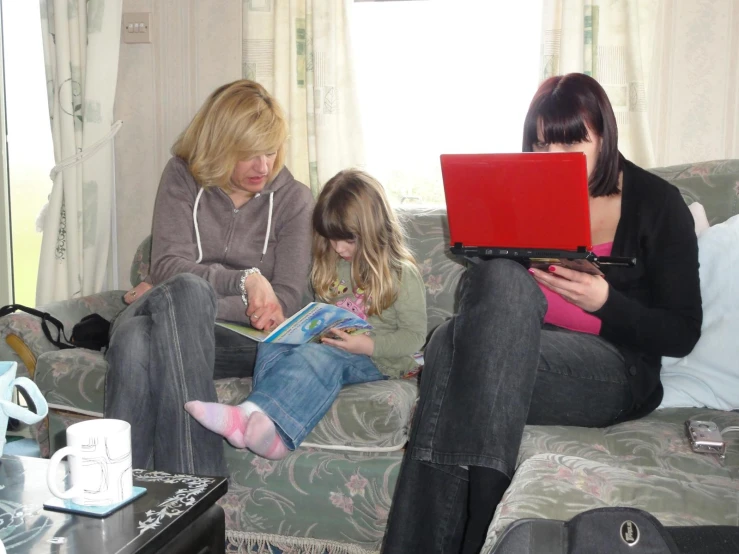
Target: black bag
91, 332
602, 530
614, 530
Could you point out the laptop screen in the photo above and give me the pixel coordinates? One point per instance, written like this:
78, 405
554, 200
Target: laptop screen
527, 200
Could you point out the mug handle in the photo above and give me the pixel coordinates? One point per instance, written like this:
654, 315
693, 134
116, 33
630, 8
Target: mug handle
23, 414
70, 493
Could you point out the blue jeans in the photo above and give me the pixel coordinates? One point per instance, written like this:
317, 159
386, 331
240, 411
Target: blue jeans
490, 370
163, 351
296, 385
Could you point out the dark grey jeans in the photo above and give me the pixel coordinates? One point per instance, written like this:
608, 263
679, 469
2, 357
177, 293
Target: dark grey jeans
489, 370
163, 351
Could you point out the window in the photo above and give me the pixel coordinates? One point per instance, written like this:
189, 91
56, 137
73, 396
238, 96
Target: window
441, 76
30, 150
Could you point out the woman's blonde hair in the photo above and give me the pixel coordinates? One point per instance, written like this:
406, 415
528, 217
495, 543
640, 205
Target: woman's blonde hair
238, 121
353, 206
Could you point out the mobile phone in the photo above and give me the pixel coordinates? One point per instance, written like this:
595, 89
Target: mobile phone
705, 437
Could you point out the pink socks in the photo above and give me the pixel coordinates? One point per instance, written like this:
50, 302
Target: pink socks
241, 426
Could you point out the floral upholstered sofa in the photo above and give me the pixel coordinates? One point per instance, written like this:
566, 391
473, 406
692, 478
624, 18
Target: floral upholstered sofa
333, 494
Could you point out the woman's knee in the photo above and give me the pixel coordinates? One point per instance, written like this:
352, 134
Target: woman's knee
192, 287
498, 280
490, 273
128, 353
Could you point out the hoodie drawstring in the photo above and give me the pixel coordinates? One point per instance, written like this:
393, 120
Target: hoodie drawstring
269, 223
197, 231
195, 220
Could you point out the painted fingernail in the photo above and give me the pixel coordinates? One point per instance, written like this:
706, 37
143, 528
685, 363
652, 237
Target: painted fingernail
531, 271
552, 268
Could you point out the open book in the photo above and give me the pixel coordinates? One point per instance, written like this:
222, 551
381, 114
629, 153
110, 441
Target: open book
310, 324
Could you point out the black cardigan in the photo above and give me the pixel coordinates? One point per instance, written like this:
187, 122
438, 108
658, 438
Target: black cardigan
653, 309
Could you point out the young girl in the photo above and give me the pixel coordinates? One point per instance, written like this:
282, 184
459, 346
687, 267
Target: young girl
360, 263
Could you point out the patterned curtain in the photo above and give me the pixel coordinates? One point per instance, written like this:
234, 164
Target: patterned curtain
81, 43
694, 89
612, 41
300, 51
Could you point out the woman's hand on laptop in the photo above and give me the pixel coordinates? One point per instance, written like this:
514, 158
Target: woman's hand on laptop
586, 291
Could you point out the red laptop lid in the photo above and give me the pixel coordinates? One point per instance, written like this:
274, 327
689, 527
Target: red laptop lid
528, 200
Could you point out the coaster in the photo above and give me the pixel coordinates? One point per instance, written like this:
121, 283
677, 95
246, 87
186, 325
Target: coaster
59, 505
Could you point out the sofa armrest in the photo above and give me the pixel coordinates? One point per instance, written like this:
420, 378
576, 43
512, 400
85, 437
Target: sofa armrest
21, 337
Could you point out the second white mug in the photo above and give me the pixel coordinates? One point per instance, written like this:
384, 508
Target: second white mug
99, 453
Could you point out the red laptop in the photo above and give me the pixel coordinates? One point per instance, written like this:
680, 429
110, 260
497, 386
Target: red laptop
531, 206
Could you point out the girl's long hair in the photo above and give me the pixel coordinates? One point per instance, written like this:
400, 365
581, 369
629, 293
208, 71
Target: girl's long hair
353, 206
237, 121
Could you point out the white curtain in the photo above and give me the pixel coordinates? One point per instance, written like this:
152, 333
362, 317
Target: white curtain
612, 41
81, 44
300, 51
694, 90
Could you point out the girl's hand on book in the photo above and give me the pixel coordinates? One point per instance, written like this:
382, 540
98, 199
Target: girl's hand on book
264, 309
356, 344
585, 291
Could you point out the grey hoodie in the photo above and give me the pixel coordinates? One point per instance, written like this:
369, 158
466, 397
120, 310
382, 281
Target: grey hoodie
199, 231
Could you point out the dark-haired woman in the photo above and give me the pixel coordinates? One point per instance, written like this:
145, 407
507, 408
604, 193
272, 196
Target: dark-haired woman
557, 347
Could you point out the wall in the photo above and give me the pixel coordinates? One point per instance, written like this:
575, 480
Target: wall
694, 90
195, 46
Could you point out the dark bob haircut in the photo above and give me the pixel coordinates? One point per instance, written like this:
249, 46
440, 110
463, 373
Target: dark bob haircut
564, 108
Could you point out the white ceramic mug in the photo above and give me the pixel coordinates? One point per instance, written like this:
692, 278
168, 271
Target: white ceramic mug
99, 453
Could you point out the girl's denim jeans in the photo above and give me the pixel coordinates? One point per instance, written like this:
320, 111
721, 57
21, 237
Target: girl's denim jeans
295, 385
489, 370
163, 351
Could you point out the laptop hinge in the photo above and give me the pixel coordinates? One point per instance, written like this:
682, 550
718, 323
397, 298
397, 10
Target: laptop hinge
458, 245
582, 249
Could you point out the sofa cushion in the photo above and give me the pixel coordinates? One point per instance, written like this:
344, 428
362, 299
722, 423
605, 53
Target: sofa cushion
312, 501
646, 464
428, 238
709, 375
713, 184
371, 417
73, 380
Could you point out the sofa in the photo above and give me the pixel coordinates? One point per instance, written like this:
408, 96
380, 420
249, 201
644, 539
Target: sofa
333, 494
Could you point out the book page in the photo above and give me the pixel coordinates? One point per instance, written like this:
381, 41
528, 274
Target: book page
315, 320
245, 330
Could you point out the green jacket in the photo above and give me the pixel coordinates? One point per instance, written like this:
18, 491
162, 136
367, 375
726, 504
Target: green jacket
400, 331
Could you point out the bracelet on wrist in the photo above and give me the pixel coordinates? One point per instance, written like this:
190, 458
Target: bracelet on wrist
242, 283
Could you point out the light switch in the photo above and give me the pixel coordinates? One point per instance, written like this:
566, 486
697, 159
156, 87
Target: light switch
136, 27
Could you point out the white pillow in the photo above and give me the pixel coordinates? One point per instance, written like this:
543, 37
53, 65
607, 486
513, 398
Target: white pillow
709, 375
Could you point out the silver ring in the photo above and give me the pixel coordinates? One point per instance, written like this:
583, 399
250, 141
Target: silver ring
132, 293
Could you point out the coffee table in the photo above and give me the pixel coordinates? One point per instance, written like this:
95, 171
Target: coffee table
177, 515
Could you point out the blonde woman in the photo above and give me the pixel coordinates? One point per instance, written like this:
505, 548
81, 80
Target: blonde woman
231, 240
360, 263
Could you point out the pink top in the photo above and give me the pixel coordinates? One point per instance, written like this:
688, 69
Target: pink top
564, 314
